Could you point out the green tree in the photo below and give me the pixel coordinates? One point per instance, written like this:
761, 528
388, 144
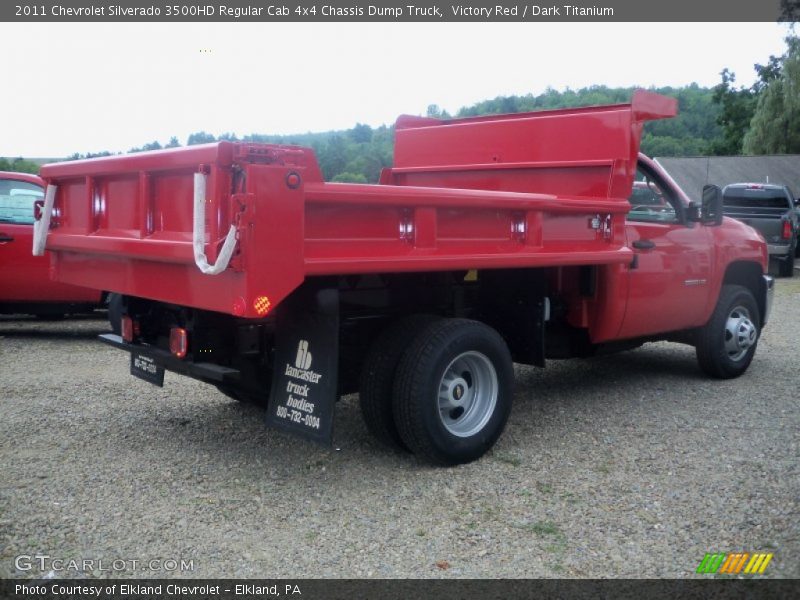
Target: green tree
19, 165
173, 143
361, 134
775, 126
737, 109
332, 156
200, 137
78, 156
436, 112
154, 145
348, 177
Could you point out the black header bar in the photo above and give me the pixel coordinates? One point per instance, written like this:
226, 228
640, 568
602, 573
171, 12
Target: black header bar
432, 11
395, 589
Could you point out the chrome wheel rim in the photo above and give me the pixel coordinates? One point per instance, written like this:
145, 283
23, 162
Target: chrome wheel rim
740, 333
467, 394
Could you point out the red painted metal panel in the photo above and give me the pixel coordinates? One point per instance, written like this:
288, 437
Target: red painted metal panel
584, 151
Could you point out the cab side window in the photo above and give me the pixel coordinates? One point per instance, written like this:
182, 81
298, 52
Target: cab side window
650, 200
16, 201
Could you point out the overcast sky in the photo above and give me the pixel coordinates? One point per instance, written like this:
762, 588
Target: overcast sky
91, 87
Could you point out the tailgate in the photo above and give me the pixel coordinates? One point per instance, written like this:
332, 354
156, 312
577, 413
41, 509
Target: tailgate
128, 224
770, 228
764, 210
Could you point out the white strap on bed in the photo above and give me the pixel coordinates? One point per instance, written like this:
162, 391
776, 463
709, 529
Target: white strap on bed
42, 225
199, 234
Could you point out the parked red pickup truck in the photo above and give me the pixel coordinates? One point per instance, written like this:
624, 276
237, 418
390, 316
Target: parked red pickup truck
492, 240
25, 283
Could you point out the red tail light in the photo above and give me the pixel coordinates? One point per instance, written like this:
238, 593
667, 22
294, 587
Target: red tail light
178, 342
129, 328
787, 230
126, 326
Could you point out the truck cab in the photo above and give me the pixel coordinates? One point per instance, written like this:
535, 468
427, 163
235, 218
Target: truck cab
680, 262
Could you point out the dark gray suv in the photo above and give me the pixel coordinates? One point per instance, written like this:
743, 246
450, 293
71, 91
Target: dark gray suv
770, 209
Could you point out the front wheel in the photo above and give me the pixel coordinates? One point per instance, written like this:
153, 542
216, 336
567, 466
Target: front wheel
453, 390
726, 345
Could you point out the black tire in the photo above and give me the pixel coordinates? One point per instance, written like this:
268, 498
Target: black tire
741, 336
437, 353
115, 313
377, 377
786, 266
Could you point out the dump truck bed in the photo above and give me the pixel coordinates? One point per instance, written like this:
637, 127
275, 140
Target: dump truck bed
536, 189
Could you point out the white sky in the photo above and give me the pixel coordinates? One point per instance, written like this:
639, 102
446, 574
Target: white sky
91, 87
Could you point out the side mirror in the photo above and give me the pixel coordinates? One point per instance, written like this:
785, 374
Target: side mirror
712, 205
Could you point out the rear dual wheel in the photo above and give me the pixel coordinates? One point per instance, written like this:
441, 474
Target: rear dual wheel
377, 377
451, 392
115, 312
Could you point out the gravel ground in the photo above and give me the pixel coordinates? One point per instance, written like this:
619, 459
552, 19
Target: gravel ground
632, 465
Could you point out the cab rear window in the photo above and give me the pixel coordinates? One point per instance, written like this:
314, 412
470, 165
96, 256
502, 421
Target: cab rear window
16, 201
755, 198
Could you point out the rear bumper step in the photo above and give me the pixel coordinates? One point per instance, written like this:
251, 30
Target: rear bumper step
205, 371
778, 249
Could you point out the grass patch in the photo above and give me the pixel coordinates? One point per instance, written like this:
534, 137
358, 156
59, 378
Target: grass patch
604, 468
509, 459
542, 528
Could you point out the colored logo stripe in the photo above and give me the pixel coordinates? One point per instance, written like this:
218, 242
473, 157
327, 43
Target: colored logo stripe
734, 562
758, 563
710, 563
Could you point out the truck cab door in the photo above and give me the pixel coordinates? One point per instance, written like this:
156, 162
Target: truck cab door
670, 275
22, 275
25, 278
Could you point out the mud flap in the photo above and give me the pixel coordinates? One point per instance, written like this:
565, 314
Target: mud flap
304, 383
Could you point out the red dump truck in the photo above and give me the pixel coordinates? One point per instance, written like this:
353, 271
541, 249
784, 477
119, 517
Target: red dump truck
492, 240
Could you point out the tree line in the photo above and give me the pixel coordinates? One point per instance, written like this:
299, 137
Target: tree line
724, 120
